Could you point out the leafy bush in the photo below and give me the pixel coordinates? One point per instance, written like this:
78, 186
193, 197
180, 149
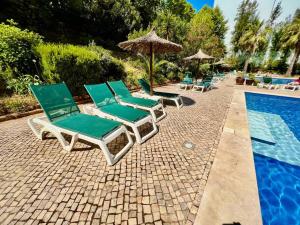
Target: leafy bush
17, 48
17, 103
78, 65
5, 74
21, 84
277, 66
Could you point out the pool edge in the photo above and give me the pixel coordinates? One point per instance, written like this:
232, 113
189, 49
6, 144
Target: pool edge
231, 193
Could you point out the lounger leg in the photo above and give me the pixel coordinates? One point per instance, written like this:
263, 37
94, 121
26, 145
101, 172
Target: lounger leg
155, 118
139, 138
51, 129
178, 101
110, 158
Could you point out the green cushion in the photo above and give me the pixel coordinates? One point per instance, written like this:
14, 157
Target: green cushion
92, 126
166, 94
204, 84
146, 87
124, 112
140, 101
119, 88
55, 99
100, 94
123, 93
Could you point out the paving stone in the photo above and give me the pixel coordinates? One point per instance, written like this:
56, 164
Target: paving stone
157, 182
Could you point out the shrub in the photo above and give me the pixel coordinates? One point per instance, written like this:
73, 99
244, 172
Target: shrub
21, 84
78, 65
17, 48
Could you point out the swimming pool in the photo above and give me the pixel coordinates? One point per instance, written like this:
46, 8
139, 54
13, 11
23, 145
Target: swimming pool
277, 80
274, 123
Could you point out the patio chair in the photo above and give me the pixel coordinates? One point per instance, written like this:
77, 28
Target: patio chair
105, 105
163, 95
291, 86
205, 84
266, 83
124, 97
187, 81
64, 117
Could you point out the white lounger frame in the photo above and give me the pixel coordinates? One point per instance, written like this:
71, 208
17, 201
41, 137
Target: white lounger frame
291, 87
47, 126
178, 100
92, 110
197, 87
158, 107
185, 86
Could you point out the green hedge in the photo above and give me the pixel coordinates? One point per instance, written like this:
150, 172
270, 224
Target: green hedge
17, 48
78, 65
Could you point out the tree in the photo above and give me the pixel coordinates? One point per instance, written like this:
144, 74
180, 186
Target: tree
180, 8
170, 26
80, 21
246, 14
207, 31
255, 37
291, 39
255, 34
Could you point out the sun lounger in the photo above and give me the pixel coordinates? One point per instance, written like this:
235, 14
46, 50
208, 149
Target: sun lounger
164, 95
64, 117
124, 97
105, 105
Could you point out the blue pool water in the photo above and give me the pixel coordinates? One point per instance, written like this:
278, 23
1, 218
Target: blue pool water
278, 80
274, 123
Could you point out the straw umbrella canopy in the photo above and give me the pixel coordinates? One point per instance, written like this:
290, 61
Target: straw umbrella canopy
200, 55
150, 44
221, 62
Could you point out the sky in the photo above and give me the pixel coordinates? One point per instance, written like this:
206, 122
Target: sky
198, 4
229, 8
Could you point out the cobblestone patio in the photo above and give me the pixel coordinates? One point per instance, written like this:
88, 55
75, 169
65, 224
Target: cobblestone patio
158, 182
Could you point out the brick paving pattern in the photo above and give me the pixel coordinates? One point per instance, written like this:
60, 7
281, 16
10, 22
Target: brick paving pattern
158, 182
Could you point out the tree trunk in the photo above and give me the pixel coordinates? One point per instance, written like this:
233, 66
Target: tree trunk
246, 65
294, 61
151, 69
248, 59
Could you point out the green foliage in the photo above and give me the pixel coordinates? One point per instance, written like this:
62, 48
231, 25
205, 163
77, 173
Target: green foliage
170, 26
206, 31
181, 8
246, 14
17, 48
138, 33
5, 74
79, 21
76, 65
20, 85
291, 40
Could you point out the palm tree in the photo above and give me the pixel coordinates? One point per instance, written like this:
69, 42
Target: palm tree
157, 64
291, 39
253, 38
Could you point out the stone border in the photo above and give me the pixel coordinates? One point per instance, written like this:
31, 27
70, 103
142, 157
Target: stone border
231, 194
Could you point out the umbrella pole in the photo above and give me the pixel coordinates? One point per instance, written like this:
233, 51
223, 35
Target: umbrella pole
198, 69
151, 69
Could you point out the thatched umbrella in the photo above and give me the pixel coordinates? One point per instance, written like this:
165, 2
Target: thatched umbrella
221, 62
150, 44
198, 56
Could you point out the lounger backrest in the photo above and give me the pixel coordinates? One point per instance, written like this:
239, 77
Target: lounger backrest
145, 86
55, 99
267, 80
119, 88
100, 94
